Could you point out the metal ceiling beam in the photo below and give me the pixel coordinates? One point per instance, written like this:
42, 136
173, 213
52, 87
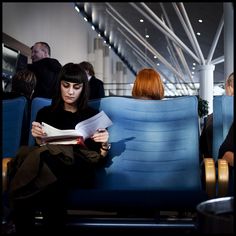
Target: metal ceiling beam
167, 31
184, 27
136, 48
142, 41
166, 35
218, 60
215, 41
177, 48
192, 33
181, 57
174, 62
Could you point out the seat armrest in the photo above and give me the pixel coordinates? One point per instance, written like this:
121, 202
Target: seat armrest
209, 177
5, 161
223, 177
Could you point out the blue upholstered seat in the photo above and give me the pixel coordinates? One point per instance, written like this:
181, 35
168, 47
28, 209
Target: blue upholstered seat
13, 111
37, 104
223, 116
154, 159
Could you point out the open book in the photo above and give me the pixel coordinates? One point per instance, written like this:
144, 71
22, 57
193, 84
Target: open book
83, 129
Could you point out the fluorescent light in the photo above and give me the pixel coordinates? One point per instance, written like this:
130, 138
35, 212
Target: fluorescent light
77, 9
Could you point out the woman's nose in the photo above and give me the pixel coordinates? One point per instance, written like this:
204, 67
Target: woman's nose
71, 90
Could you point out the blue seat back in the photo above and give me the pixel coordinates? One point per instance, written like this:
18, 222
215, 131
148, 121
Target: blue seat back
13, 111
222, 119
154, 158
36, 105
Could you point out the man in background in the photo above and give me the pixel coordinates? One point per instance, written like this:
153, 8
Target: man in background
96, 88
45, 68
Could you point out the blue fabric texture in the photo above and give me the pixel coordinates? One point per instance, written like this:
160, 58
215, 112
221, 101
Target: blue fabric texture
223, 115
37, 104
13, 111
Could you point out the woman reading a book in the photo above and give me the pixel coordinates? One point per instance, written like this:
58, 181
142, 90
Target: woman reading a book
47, 170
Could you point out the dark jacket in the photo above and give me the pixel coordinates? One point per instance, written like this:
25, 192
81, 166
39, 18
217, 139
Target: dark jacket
96, 88
228, 143
35, 168
46, 71
206, 138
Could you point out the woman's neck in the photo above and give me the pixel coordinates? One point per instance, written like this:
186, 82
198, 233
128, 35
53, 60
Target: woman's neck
70, 107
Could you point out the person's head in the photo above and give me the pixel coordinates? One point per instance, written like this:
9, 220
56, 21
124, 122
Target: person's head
88, 67
148, 85
24, 82
39, 51
72, 87
229, 85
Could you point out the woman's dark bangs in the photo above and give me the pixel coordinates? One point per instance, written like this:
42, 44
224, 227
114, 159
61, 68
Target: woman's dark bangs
73, 79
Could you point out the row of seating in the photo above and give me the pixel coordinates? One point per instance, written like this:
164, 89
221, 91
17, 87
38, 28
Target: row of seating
223, 117
154, 158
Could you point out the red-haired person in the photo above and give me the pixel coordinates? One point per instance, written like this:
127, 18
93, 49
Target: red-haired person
148, 85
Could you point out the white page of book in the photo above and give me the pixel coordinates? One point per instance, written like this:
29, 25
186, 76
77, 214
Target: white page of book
84, 128
90, 126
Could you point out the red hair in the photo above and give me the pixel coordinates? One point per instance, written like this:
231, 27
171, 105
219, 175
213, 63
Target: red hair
148, 84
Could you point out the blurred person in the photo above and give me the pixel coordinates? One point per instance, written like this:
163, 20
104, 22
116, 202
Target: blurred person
96, 86
23, 84
227, 148
229, 85
206, 137
226, 152
45, 68
148, 85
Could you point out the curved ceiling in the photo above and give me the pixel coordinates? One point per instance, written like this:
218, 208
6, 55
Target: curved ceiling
172, 44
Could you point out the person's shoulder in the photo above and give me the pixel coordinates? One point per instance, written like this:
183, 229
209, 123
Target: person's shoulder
10, 95
45, 109
46, 62
51, 61
96, 80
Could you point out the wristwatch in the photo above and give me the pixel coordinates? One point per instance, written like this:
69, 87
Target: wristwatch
106, 146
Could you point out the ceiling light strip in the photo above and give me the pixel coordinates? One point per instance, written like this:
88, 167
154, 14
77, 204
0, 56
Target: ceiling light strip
101, 34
